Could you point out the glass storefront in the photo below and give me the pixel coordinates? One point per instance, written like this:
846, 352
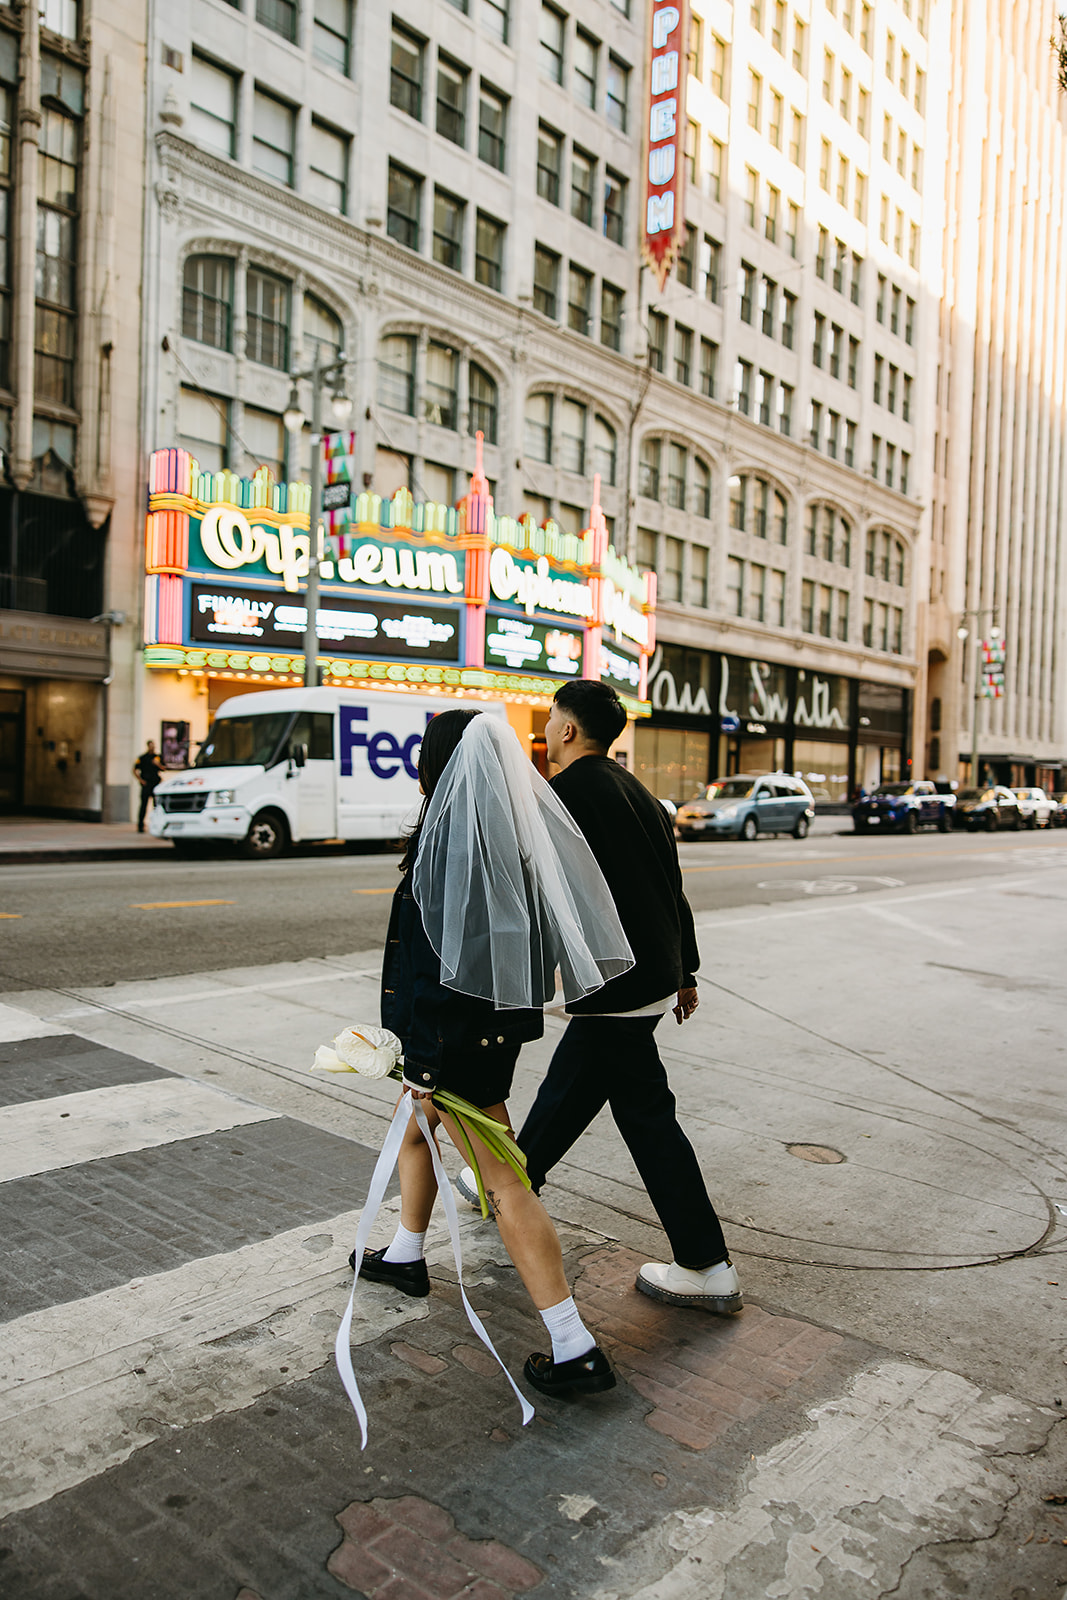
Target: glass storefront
672, 762
824, 768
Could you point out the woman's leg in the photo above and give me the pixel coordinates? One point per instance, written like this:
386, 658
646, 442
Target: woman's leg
418, 1186
525, 1226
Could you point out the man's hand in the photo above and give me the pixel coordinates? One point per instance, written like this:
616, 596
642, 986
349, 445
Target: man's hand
688, 1001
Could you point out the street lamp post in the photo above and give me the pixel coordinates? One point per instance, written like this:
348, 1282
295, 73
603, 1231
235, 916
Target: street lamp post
318, 376
963, 632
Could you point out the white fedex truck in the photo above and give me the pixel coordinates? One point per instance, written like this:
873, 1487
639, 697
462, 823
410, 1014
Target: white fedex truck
290, 765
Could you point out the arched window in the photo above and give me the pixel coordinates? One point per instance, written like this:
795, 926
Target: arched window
757, 507
483, 404
322, 330
396, 372
207, 301
604, 450
828, 535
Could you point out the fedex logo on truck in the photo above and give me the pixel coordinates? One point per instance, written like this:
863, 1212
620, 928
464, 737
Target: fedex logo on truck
386, 754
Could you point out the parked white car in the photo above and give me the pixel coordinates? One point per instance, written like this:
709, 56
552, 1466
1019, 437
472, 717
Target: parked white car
1035, 808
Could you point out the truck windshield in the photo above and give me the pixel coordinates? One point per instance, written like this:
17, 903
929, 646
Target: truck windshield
244, 741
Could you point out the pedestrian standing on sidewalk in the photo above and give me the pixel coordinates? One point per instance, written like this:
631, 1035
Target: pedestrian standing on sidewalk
608, 1053
148, 770
492, 881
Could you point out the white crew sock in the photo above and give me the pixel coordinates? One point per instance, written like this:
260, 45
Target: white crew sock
406, 1246
569, 1334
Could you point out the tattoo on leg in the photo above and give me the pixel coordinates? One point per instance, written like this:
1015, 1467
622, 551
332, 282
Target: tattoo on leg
494, 1203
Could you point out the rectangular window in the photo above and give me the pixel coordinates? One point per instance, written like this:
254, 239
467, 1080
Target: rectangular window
586, 52
709, 361
905, 468
764, 397
826, 601
822, 253
492, 127
716, 163
677, 462
267, 319
903, 80
841, 191
768, 295
905, 404
891, 388
611, 316
840, 261
789, 314
756, 597
213, 107
550, 53
537, 432
815, 425
828, 77
863, 113
755, 92
770, 215
866, 28
887, 136
617, 91
778, 22
488, 251
273, 138
695, 53
404, 206
683, 354
799, 37
853, 361
850, 444
494, 19
698, 575
657, 340
735, 570
796, 139
692, 145
902, 152
785, 409
648, 468
583, 185
748, 292
203, 428
546, 281
717, 76
328, 168
743, 386
396, 373
775, 115
792, 228
833, 433
909, 321
856, 285
207, 301
279, 16
776, 600
685, 267
876, 455
614, 207
890, 55
672, 569
751, 196
572, 437
451, 100
824, 166
890, 464
837, 340
920, 90
406, 65
579, 299
844, 104
879, 372
331, 33
448, 214
807, 606
818, 338
549, 163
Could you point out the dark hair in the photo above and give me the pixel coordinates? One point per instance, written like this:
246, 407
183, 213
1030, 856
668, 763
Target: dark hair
595, 707
438, 747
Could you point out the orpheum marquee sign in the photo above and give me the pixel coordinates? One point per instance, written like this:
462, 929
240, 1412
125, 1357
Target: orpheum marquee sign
664, 187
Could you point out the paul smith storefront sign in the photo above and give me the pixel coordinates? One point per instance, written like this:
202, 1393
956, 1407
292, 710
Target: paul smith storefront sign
754, 696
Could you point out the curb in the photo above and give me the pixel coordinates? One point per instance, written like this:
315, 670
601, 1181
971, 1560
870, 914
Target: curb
13, 858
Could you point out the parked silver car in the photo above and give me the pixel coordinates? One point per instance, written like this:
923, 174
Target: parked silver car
742, 807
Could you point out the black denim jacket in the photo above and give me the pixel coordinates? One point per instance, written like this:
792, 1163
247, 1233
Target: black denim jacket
431, 1020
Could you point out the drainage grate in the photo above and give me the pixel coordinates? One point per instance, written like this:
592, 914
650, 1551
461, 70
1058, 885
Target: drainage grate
823, 1154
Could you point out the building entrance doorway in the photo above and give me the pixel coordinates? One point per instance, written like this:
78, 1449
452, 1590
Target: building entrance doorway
11, 748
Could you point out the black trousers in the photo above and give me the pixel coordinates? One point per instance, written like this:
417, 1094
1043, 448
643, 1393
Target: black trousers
614, 1061
147, 791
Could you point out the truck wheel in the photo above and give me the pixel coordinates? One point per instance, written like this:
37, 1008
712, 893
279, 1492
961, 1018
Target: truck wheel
859, 824
943, 824
800, 831
749, 828
911, 822
266, 837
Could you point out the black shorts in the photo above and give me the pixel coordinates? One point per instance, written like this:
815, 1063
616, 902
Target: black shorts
481, 1074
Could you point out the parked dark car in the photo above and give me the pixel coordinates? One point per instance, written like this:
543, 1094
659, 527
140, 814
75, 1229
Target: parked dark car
1059, 811
903, 807
992, 808
742, 807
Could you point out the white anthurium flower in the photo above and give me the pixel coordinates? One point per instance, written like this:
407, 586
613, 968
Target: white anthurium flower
372, 1052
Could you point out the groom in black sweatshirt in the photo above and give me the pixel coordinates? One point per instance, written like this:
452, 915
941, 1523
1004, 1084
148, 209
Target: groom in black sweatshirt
608, 1054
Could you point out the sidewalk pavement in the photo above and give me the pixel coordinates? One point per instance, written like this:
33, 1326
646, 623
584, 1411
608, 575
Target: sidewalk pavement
882, 1418
43, 839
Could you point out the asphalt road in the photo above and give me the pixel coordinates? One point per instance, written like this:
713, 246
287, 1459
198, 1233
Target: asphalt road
79, 923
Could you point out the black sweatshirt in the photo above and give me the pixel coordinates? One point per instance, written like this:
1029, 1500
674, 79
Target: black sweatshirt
632, 838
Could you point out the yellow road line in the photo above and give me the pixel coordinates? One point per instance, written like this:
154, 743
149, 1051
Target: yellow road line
172, 905
10, 916
391, 890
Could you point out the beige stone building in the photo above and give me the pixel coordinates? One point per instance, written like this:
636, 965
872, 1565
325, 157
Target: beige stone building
71, 184
997, 551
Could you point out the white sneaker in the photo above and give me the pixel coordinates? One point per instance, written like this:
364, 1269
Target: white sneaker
718, 1289
467, 1184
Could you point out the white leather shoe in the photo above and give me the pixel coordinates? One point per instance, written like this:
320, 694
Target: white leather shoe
467, 1184
718, 1289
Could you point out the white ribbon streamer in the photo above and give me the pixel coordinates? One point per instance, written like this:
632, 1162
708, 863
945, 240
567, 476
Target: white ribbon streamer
383, 1171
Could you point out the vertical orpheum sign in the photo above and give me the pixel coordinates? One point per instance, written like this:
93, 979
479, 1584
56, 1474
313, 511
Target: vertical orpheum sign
664, 221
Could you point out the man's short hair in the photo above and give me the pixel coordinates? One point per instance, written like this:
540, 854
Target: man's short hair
595, 707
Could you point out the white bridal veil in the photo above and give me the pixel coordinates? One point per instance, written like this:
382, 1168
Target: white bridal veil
508, 888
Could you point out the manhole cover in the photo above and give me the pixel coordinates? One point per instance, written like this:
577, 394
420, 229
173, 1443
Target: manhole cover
821, 1153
